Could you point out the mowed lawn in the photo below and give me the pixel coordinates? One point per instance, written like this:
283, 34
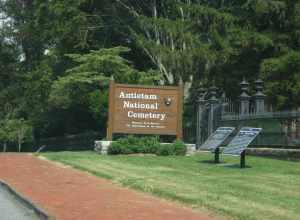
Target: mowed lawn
268, 189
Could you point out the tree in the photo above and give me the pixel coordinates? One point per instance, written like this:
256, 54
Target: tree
282, 75
19, 131
184, 39
199, 40
56, 56
4, 134
85, 86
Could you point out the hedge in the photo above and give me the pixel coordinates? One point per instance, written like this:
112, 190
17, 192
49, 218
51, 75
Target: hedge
146, 145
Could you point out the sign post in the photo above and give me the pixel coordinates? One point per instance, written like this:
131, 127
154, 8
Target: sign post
135, 109
111, 105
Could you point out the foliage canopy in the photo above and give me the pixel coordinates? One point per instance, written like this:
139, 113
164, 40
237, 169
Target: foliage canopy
57, 56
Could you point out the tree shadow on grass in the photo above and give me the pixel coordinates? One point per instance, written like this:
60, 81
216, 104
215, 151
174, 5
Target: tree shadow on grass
211, 162
235, 166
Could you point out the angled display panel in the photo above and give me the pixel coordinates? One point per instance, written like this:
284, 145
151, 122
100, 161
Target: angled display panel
242, 140
217, 138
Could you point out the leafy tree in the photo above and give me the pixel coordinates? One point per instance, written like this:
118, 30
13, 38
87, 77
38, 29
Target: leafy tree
184, 39
85, 86
200, 40
19, 131
92, 70
207, 41
283, 77
4, 134
15, 131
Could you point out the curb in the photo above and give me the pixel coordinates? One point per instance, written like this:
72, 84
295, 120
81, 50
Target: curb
275, 153
26, 202
286, 154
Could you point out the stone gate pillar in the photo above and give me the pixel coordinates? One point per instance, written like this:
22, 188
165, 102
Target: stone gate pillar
297, 128
213, 101
259, 97
200, 110
244, 98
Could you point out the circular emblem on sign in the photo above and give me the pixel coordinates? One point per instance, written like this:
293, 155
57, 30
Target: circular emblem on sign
168, 101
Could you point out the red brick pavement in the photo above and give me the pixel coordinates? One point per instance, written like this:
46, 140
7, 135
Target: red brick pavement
69, 194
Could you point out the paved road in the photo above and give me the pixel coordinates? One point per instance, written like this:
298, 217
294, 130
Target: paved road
12, 209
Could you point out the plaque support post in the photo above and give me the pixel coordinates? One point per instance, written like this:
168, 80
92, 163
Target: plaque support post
217, 155
109, 134
243, 159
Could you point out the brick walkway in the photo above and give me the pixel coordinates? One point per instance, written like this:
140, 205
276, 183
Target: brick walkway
69, 194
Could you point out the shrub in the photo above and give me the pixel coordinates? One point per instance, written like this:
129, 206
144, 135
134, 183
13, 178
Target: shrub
176, 148
179, 147
132, 144
151, 144
122, 146
165, 150
117, 148
148, 145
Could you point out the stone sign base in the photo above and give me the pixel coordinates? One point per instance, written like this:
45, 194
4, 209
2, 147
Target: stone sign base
102, 146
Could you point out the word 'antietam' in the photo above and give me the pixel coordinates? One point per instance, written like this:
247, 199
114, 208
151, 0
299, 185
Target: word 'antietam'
135, 95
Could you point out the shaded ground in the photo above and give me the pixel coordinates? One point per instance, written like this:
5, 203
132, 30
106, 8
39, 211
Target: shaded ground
69, 194
12, 209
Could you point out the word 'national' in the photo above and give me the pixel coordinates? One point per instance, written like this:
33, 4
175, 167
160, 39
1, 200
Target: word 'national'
138, 105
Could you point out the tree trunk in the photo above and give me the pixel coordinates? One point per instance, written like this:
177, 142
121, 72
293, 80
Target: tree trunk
19, 146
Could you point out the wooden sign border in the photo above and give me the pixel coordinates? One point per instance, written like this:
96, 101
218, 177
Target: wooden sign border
112, 87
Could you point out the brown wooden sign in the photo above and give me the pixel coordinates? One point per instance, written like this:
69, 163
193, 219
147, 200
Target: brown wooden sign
137, 109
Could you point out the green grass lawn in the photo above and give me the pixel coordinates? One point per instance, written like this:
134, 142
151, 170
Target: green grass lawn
268, 189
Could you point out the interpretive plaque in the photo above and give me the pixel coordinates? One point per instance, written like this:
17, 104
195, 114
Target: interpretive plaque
135, 109
242, 140
217, 138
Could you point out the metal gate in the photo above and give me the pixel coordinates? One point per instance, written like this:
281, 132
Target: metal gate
280, 129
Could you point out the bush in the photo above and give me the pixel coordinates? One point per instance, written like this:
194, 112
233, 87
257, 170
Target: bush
179, 147
151, 144
147, 145
165, 150
176, 148
132, 144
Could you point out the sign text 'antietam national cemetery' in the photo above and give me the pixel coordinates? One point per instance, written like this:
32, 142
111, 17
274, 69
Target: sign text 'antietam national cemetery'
137, 109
